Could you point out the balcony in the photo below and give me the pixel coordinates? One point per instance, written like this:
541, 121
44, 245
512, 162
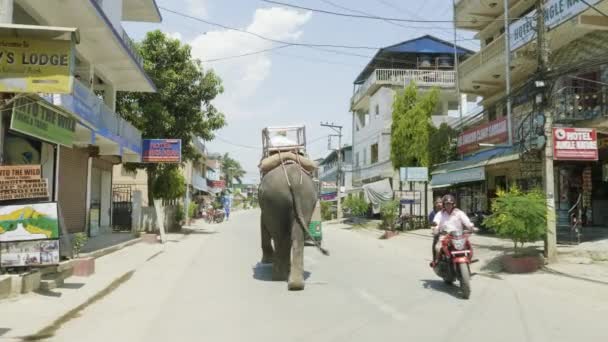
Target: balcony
107, 128
576, 104
370, 173
402, 77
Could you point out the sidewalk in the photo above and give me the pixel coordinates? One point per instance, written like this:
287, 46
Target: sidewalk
587, 261
32, 312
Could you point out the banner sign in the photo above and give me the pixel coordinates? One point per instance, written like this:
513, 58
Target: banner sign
35, 66
492, 133
571, 143
19, 172
408, 197
29, 253
42, 122
220, 184
414, 174
162, 151
24, 222
556, 12
329, 196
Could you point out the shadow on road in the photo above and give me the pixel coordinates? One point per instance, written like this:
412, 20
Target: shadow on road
263, 272
3, 331
440, 286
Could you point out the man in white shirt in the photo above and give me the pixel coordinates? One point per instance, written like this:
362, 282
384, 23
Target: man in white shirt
449, 219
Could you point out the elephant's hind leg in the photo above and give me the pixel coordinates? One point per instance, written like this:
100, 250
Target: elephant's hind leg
281, 262
267, 250
296, 274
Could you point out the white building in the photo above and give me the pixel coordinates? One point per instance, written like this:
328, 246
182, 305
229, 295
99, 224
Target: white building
429, 62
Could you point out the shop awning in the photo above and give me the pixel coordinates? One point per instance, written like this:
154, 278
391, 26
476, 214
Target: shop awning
471, 170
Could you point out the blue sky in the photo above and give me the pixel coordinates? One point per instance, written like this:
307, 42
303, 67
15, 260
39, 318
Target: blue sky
294, 85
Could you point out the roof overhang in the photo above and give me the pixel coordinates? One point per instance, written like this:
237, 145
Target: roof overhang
40, 32
141, 10
102, 44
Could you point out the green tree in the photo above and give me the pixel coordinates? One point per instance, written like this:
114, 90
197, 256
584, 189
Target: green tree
180, 109
442, 147
411, 127
232, 170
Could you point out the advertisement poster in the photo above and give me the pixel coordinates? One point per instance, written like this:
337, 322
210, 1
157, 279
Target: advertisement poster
28, 222
162, 151
36, 120
571, 143
36, 66
29, 253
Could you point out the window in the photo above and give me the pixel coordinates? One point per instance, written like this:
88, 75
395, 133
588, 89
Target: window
374, 153
357, 159
489, 40
365, 156
366, 120
377, 110
500, 182
453, 105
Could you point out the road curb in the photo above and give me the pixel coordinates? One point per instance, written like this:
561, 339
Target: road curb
109, 250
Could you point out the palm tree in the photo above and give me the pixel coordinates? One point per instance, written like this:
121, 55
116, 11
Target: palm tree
232, 169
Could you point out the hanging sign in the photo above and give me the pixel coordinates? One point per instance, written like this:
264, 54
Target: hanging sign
19, 172
42, 122
414, 174
23, 222
24, 189
162, 151
571, 143
35, 66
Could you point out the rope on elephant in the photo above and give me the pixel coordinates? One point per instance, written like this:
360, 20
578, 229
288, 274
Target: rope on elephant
295, 207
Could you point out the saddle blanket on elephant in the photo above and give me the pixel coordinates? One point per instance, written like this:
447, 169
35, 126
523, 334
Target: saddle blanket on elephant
270, 163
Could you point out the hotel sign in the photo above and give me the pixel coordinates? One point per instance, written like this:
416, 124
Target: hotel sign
574, 144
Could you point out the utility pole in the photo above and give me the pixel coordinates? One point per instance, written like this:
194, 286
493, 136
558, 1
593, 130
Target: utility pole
338, 129
508, 72
543, 62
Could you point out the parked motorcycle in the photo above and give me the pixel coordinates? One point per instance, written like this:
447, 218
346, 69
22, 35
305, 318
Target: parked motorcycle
212, 215
454, 260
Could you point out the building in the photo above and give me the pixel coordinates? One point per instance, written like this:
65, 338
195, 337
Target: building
328, 171
99, 59
574, 95
426, 60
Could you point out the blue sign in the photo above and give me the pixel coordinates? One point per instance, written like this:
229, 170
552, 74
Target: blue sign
162, 151
414, 174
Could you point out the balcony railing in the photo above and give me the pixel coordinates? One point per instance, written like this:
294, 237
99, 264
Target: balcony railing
93, 112
402, 77
577, 104
132, 48
488, 52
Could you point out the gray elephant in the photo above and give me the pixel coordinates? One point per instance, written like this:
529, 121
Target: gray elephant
287, 207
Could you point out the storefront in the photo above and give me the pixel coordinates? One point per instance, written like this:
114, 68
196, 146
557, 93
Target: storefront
467, 185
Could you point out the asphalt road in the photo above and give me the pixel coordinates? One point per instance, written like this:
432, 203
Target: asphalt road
212, 289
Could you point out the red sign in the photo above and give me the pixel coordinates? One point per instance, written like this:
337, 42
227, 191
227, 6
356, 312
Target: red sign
574, 143
494, 132
217, 184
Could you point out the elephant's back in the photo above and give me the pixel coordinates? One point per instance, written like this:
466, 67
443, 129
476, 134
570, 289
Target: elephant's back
274, 186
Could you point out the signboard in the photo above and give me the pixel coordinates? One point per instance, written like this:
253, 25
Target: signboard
556, 12
522, 31
217, 184
24, 189
414, 174
42, 122
20, 172
409, 197
162, 151
329, 196
474, 174
492, 133
35, 66
29, 253
571, 143
29, 222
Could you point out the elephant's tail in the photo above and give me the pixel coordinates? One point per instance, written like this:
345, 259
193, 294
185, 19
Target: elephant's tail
296, 209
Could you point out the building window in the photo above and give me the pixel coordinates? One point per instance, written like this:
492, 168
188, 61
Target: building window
374, 153
377, 110
366, 120
489, 40
365, 156
501, 183
357, 159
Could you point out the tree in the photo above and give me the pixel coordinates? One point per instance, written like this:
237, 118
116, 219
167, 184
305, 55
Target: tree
411, 127
232, 169
442, 148
180, 109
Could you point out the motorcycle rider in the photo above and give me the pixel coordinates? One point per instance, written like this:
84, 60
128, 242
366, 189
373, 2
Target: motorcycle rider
449, 218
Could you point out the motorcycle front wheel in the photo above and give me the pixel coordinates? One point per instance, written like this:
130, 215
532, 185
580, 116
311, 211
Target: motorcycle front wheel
465, 280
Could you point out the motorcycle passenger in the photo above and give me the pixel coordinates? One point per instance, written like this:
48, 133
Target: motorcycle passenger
448, 219
436, 209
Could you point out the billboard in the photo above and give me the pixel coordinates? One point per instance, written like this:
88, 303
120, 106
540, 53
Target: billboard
23, 222
571, 143
29, 253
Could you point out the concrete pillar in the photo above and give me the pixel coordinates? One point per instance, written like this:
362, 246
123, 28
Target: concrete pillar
136, 211
6, 11
109, 96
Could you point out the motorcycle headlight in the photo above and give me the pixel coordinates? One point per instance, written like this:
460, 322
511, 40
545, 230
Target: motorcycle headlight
458, 244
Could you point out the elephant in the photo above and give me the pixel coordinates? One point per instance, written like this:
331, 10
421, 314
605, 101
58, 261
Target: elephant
287, 208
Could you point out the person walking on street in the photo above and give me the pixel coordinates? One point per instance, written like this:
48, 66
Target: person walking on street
226, 204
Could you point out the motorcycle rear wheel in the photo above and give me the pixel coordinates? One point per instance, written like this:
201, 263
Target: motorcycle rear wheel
465, 280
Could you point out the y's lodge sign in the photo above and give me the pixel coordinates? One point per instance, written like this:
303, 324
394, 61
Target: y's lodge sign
494, 132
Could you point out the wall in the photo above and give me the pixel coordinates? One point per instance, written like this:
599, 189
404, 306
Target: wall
148, 222
73, 187
137, 180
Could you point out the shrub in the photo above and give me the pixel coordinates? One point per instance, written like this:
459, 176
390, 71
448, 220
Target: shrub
356, 206
326, 211
80, 239
518, 216
179, 213
192, 207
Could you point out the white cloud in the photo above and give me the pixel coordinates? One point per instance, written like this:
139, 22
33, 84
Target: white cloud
243, 76
175, 35
197, 8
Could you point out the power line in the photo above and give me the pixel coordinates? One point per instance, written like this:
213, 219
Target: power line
266, 38
595, 8
219, 59
372, 17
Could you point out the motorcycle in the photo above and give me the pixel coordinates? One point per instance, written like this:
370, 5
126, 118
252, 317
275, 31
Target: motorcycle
213, 215
454, 260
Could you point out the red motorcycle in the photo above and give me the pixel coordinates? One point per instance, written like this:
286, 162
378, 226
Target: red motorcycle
454, 260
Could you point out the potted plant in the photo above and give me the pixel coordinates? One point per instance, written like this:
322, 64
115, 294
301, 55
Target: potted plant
83, 267
389, 211
522, 218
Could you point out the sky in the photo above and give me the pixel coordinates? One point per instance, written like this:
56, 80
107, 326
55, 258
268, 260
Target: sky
296, 84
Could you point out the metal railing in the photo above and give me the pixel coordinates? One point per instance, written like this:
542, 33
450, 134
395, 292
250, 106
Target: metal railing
402, 77
132, 48
495, 49
576, 104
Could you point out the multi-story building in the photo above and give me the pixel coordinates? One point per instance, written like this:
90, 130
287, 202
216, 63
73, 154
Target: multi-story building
573, 93
99, 59
328, 171
427, 61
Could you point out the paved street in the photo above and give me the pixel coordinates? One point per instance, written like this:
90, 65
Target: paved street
210, 289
